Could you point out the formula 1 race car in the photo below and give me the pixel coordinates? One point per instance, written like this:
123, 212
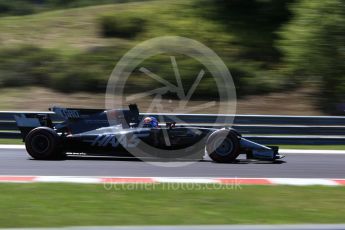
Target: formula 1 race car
124, 133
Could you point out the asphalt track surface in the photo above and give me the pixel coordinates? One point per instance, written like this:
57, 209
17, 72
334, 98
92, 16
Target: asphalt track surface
18, 162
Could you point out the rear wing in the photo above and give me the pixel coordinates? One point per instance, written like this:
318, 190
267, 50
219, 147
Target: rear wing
74, 120
28, 121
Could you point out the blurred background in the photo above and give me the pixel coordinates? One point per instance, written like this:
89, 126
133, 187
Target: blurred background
285, 56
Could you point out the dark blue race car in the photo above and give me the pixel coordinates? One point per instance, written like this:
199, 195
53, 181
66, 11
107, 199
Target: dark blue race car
125, 133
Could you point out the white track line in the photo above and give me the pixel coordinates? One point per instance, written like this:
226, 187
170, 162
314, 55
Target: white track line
12, 146
312, 151
173, 180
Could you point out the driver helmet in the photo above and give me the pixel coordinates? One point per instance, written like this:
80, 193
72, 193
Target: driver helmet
151, 122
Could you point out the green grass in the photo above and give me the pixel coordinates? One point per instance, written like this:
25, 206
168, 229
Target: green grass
20, 7
72, 30
43, 205
11, 142
73, 38
68, 30
53, 46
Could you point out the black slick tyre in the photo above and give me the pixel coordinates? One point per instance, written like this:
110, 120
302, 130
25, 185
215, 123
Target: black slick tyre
43, 143
223, 146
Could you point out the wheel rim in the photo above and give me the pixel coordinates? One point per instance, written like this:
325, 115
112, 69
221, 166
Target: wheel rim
223, 147
40, 143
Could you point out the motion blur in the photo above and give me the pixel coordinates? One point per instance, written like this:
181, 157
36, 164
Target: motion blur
291, 50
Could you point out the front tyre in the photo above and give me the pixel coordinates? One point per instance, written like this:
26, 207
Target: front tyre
223, 146
43, 143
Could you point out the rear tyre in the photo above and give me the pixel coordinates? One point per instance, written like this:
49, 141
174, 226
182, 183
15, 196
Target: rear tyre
223, 146
43, 143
